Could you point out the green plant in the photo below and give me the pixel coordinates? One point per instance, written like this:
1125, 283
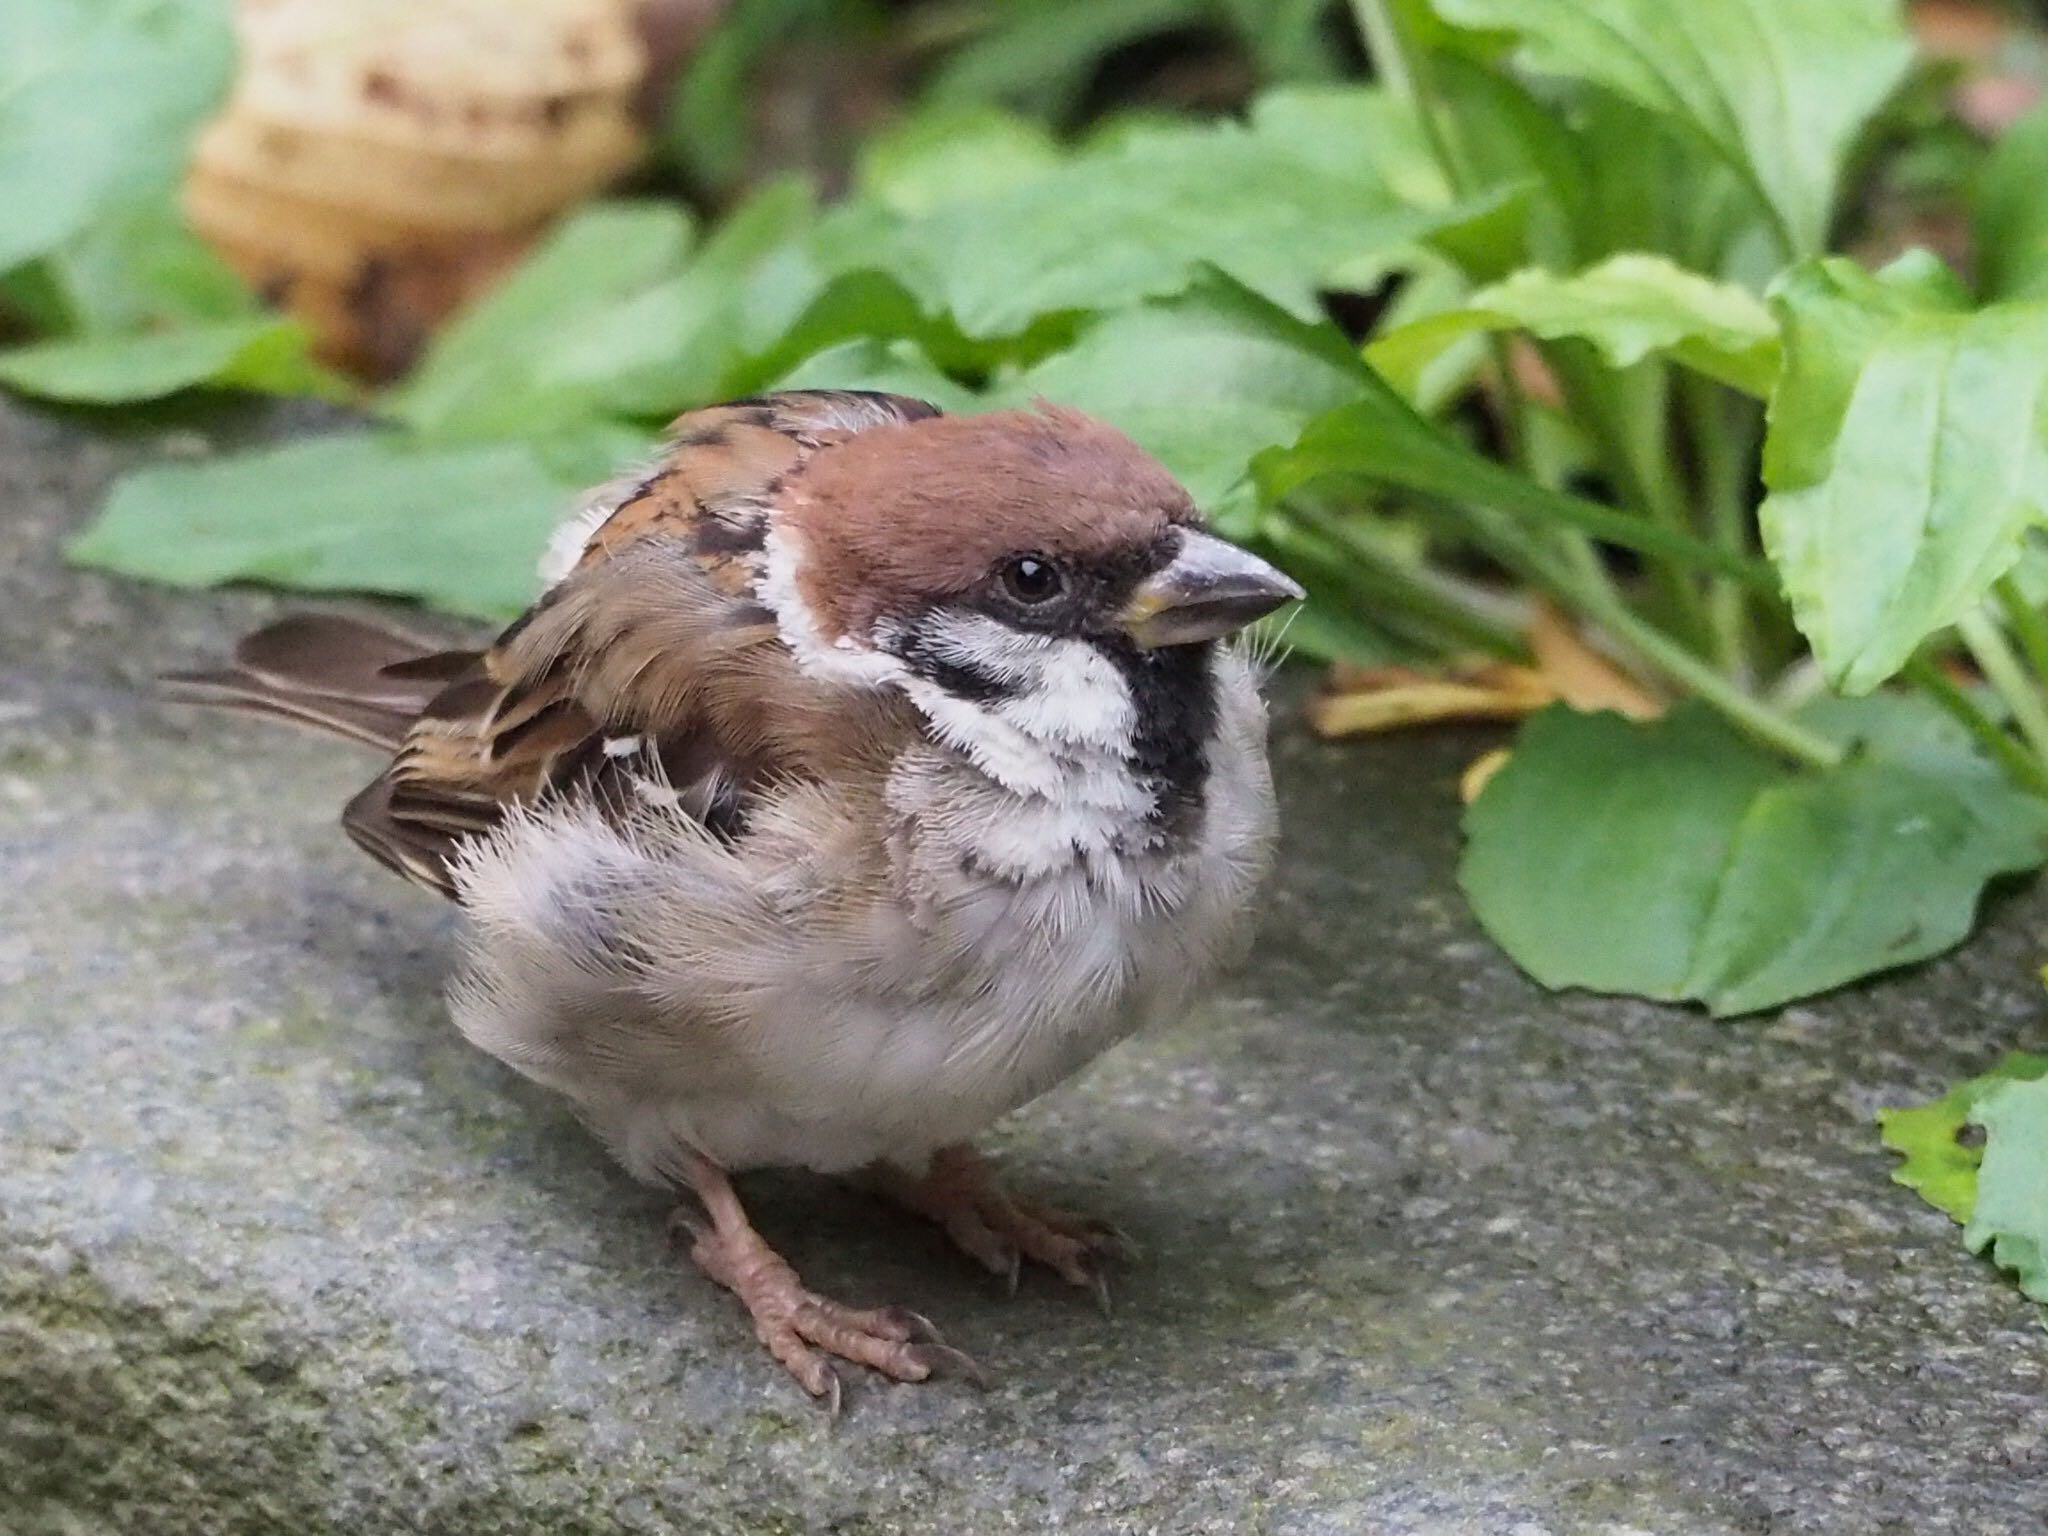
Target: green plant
1789, 490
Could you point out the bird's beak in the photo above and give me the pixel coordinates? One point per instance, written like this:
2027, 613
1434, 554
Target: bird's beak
1210, 589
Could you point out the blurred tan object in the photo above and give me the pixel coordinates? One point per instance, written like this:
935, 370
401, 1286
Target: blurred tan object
379, 161
1581, 676
1566, 670
1361, 700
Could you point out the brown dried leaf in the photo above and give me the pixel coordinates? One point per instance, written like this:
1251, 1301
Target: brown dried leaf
1581, 676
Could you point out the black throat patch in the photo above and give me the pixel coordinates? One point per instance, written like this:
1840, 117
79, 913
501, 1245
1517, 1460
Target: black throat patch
1173, 695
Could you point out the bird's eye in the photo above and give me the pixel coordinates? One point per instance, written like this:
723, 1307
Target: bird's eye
1032, 581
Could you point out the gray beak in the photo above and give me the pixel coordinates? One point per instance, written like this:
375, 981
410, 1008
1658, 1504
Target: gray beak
1210, 589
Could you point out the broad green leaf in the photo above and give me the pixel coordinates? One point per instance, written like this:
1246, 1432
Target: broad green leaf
1677, 860
460, 527
1627, 308
140, 268
99, 100
1336, 127
2011, 1216
2009, 215
696, 336
257, 353
1204, 382
948, 154
1941, 1159
1781, 88
894, 367
488, 373
1905, 459
1135, 220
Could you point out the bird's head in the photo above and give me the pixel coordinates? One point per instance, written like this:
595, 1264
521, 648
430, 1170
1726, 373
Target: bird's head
1032, 562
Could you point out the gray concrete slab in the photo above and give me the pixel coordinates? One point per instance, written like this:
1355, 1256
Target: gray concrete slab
1426, 1249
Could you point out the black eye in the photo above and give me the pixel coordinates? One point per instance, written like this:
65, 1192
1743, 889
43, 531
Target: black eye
1032, 581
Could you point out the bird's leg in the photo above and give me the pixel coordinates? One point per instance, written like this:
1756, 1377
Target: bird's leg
962, 1193
799, 1327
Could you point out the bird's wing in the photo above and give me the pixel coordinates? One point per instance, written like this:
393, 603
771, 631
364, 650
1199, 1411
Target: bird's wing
649, 667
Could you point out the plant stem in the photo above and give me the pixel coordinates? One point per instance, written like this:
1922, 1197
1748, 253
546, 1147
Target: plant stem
1411, 586
2001, 668
1383, 46
1626, 414
1759, 719
1723, 441
2024, 770
1655, 651
2028, 624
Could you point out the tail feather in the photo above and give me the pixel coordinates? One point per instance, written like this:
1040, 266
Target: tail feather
331, 674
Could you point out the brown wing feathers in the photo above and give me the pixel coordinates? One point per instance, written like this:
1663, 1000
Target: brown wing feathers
328, 673
654, 635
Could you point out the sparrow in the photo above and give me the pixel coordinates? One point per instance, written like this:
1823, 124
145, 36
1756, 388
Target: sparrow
861, 773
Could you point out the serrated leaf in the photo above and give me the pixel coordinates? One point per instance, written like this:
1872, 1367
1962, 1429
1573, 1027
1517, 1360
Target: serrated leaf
99, 100
1628, 307
1941, 1162
2010, 1221
1137, 218
264, 354
1780, 89
460, 527
1676, 860
1907, 455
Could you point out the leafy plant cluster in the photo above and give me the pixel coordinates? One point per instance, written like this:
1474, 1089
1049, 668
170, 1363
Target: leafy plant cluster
1597, 345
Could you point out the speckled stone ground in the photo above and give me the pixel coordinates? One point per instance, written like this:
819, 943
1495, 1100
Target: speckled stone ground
1426, 1250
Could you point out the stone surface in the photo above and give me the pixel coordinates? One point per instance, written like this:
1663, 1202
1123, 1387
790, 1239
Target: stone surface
1426, 1249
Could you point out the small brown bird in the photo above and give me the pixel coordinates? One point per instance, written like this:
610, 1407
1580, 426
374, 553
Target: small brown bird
861, 774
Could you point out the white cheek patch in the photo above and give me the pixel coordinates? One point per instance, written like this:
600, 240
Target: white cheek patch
839, 661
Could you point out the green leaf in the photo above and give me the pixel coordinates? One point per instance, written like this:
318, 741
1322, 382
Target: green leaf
947, 154
894, 367
1941, 1161
140, 268
1336, 127
99, 100
1676, 860
1136, 218
1203, 381
489, 373
2009, 216
2011, 1217
1628, 307
1379, 436
1041, 55
460, 527
257, 353
1780, 88
1905, 458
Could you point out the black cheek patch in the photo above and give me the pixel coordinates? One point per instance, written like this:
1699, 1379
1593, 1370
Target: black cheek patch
961, 679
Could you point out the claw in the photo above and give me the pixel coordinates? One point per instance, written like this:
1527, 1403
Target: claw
1113, 1240
1098, 1281
921, 1329
686, 1224
945, 1360
832, 1398
1015, 1272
